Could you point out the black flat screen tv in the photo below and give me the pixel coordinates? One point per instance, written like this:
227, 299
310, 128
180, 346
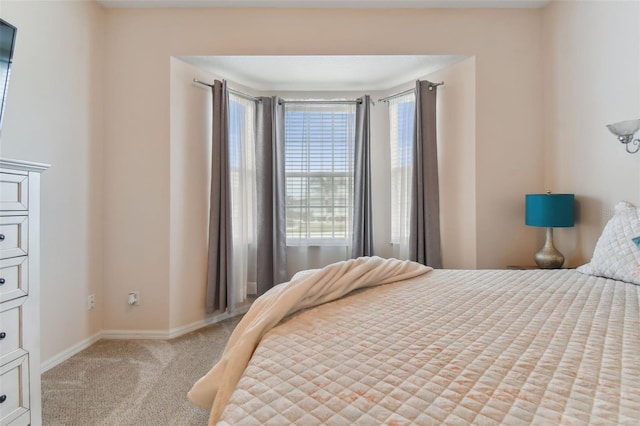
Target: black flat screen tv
7, 43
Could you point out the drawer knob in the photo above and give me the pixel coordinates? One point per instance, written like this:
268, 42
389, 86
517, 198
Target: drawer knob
3, 398
2, 281
3, 335
1, 237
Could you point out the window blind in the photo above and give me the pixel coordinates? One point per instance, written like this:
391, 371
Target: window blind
319, 144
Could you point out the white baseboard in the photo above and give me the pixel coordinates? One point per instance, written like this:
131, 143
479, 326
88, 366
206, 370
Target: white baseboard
66, 354
173, 332
137, 334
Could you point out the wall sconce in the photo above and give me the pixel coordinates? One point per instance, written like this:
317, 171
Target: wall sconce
625, 130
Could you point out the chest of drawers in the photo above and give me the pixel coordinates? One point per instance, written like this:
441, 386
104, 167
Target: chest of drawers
19, 293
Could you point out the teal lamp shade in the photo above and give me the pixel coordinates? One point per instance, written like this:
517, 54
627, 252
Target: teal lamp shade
549, 210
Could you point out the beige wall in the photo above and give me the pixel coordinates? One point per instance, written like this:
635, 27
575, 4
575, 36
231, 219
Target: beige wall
457, 165
190, 183
140, 43
591, 78
54, 114
136, 160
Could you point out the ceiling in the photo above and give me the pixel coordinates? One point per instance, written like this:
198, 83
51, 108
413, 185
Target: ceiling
322, 73
350, 4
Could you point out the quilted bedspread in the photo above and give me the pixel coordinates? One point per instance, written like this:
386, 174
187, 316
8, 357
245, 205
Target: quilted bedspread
305, 290
453, 347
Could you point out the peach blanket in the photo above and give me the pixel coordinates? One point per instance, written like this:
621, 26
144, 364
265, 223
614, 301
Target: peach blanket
306, 289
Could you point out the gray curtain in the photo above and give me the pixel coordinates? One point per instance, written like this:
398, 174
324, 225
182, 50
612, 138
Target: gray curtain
424, 236
219, 270
362, 244
272, 250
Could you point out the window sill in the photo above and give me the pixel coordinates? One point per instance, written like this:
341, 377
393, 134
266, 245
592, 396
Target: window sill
318, 243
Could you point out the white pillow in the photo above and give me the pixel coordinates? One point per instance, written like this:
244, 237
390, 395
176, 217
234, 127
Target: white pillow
617, 253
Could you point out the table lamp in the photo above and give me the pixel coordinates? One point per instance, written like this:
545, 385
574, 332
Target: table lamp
549, 211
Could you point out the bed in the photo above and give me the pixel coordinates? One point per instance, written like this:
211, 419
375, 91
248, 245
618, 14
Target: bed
438, 347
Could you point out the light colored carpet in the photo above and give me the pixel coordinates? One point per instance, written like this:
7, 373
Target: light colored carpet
133, 382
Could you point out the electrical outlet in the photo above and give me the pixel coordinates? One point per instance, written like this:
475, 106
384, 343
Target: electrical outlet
134, 298
91, 302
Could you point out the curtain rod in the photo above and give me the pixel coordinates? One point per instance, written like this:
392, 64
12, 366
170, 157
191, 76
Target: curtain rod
285, 101
395, 95
235, 92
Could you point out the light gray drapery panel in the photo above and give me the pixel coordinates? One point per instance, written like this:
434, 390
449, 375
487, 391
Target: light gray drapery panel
219, 268
424, 236
270, 189
362, 243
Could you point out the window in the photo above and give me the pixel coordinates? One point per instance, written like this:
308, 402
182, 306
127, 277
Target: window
401, 125
242, 175
242, 116
319, 144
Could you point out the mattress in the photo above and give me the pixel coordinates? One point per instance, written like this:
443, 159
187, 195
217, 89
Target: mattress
453, 347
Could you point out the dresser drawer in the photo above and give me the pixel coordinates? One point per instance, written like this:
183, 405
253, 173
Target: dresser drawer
14, 192
14, 236
10, 329
14, 392
14, 278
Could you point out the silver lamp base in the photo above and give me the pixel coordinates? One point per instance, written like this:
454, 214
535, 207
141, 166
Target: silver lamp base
549, 257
